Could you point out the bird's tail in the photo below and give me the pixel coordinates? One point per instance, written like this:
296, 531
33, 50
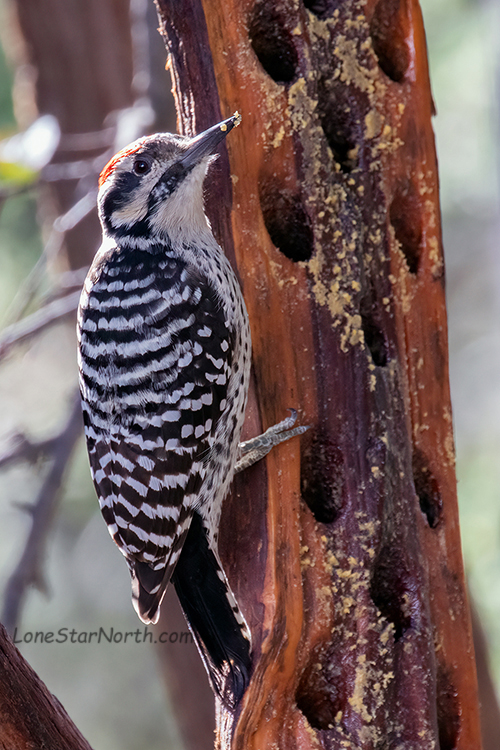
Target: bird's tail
148, 589
218, 627
150, 581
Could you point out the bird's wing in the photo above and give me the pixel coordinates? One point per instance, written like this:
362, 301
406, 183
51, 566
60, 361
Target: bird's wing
150, 464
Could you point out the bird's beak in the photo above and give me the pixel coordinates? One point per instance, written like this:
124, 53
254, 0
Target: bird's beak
205, 143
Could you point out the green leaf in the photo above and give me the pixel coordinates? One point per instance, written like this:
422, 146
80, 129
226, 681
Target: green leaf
15, 175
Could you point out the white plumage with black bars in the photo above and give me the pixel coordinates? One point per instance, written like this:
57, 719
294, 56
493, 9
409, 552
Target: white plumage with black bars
164, 359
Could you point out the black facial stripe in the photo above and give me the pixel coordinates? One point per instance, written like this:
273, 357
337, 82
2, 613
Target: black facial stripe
119, 196
168, 183
137, 229
126, 183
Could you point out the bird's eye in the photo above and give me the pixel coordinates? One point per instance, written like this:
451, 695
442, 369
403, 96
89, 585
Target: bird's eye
141, 166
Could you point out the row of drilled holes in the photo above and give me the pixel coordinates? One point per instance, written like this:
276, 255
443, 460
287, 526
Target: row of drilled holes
391, 585
322, 697
323, 489
290, 230
287, 221
274, 47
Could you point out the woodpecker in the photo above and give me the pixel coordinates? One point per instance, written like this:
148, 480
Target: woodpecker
164, 362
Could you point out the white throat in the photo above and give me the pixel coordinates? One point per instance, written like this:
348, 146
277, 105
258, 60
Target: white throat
181, 216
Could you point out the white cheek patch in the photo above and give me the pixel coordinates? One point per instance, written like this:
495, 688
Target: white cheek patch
181, 214
135, 210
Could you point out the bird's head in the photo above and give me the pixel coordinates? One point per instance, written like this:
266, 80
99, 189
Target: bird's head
154, 187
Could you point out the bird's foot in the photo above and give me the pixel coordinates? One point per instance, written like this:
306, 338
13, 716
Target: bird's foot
256, 448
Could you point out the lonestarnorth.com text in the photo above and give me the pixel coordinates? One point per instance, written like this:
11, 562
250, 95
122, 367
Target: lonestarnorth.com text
103, 635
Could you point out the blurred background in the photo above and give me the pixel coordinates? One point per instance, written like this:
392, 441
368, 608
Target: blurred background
48, 233
464, 52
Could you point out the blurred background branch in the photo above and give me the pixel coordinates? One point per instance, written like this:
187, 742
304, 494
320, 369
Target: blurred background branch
58, 451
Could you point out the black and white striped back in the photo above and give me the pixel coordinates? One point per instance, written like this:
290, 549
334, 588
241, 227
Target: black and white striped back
163, 375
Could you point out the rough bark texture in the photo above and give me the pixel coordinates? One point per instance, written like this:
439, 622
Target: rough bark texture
347, 564
30, 716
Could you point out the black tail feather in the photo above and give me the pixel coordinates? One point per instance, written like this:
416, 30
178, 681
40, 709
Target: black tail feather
220, 638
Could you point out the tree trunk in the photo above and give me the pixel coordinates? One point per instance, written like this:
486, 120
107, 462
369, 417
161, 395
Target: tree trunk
346, 563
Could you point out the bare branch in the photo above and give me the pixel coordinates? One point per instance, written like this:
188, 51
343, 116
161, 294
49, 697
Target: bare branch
38, 321
73, 170
90, 141
21, 448
70, 281
77, 212
62, 224
29, 568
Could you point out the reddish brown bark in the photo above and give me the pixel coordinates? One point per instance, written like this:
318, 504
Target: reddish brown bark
347, 565
30, 716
